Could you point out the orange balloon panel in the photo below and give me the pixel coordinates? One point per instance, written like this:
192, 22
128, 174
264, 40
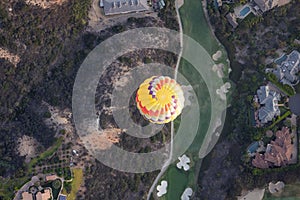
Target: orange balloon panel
160, 99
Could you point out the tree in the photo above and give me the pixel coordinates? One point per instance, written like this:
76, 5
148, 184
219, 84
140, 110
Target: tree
56, 184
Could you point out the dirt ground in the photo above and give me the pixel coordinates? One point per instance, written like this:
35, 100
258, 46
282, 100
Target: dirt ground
28, 146
5, 54
45, 3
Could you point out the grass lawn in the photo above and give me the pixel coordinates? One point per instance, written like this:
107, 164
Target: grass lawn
195, 26
75, 184
282, 117
177, 180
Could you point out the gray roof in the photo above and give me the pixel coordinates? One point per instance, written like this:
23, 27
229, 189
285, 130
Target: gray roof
232, 19
263, 93
112, 7
269, 111
289, 68
269, 104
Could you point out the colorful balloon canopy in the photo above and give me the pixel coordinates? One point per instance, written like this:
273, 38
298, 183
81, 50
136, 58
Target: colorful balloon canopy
160, 99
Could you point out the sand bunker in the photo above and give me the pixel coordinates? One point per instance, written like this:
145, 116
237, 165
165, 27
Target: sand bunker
276, 188
224, 89
162, 188
188, 95
183, 163
219, 69
217, 55
180, 3
187, 194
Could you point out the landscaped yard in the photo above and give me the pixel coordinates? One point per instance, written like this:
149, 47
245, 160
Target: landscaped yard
55, 187
284, 88
45, 154
282, 117
76, 182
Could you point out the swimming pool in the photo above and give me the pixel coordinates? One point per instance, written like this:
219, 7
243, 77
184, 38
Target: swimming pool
282, 58
245, 11
253, 147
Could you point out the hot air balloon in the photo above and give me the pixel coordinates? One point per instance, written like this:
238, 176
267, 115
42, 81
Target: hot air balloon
160, 99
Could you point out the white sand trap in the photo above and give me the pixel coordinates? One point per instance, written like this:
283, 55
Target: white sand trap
276, 188
217, 124
183, 163
217, 55
162, 188
187, 194
180, 3
219, 69
256, 194
187, 92
224, 89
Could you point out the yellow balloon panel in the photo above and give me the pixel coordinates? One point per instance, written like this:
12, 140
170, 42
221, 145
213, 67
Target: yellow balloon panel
160, 99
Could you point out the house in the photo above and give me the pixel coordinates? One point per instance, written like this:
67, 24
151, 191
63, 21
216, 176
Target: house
44, 196
268, 100
231, 17
114, 7
265, 5
27, 196
288, 69
257, 146
259, 161
278, 153
51, 177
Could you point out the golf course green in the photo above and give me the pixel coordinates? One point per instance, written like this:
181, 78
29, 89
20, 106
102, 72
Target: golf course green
194, 25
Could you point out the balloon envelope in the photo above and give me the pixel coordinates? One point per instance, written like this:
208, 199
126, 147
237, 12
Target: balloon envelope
160, 99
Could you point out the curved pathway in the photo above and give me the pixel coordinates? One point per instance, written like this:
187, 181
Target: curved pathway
168, 162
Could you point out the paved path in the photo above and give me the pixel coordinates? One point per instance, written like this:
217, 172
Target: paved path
256, 194
168, 162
